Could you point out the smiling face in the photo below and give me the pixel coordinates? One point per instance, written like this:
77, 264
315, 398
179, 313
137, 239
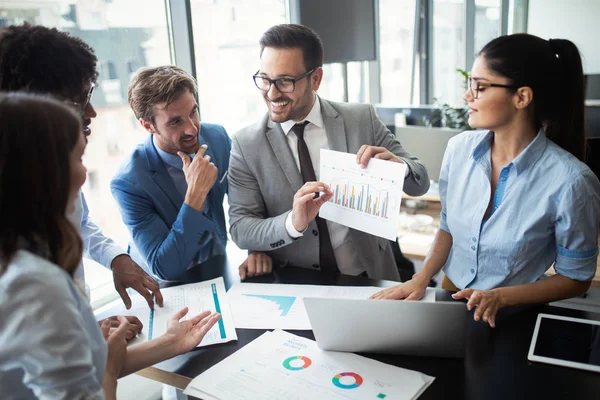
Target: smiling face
176, 126
278, 63
494, 106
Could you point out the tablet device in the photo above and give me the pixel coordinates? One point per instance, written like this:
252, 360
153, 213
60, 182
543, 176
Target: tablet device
566, 341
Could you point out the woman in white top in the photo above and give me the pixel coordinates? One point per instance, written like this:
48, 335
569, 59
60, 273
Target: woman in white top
51, 345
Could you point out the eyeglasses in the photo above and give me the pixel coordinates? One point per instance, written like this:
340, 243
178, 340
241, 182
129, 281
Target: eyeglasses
476, 86
81, 106
284, 85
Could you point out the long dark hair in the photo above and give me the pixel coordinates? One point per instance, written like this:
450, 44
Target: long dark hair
37, 136
552, 69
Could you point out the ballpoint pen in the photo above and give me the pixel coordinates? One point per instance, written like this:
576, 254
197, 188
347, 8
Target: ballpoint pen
223, 177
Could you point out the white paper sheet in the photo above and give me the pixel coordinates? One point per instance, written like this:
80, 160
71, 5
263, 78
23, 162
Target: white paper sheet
198, 297
364, 199
279, 365
279, 306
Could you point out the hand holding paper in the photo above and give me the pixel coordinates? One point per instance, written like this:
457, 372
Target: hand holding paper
367, 199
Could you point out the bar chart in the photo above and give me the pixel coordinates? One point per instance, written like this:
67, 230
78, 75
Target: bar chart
367, 199
361, 197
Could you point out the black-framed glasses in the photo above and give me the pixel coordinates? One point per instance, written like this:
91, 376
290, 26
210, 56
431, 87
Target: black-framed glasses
476, 86
284, 85
88, 98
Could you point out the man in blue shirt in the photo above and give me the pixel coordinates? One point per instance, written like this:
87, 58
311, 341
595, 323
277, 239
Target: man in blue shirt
171, 190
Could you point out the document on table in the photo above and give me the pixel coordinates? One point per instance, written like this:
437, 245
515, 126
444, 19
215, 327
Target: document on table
280, 306
279, 365
198, 297
367, 199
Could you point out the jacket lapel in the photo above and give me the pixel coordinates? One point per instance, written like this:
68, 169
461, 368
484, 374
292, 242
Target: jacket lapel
334, 126
160, 174
279, 144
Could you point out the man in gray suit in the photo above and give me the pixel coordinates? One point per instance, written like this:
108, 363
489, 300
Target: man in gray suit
273, 174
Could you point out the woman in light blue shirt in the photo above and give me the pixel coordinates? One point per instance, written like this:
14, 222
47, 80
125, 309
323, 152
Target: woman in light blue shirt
516, 196
51, 346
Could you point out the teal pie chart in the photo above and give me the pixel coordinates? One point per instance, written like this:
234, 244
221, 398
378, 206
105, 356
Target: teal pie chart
358, 380
303, 364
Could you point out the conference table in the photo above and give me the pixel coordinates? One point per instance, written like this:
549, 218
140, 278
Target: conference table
495, 364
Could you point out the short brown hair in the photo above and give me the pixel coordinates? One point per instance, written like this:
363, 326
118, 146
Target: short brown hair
151, 86
287, 36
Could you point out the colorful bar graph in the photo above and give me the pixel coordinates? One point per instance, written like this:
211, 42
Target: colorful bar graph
362, 198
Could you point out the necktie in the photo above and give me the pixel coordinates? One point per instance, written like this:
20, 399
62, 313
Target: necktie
326, 254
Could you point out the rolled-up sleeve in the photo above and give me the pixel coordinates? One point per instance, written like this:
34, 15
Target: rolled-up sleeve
443, 185
576, 228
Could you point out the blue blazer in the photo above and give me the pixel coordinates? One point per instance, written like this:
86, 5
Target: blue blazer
167, 234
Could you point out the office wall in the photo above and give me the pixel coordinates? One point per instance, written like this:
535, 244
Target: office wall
576, 20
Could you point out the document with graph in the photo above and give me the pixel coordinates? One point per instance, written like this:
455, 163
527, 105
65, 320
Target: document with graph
366, 199
280, 365
198, 297
281, 306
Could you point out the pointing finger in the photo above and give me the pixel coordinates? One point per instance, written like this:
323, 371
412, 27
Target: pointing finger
201, 150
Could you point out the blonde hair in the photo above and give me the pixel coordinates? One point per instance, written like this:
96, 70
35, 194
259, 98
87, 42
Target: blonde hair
154, 85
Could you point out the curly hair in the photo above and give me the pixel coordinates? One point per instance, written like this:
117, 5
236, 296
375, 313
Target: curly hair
43, 60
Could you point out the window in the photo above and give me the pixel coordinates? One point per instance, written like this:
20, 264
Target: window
448, 50
226, 35
123, 33
396, 48
332, 84
112, 70
487, 22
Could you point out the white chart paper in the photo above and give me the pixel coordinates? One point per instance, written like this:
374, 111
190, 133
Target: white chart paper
280, 306
279, 365
198, 297
364, 199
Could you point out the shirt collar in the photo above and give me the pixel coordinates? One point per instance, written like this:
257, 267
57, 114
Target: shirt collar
482, 146
314, 117
530, 155
171, 159
532, 152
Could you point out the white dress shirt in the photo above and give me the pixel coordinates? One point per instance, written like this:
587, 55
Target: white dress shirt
96, 246
315, 137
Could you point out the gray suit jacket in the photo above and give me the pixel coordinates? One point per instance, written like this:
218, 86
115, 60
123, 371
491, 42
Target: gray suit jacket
263, 178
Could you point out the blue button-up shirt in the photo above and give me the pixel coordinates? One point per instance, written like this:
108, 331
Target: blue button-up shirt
546, 209
174, 166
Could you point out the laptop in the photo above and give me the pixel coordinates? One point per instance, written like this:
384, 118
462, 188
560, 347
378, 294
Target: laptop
413, 328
